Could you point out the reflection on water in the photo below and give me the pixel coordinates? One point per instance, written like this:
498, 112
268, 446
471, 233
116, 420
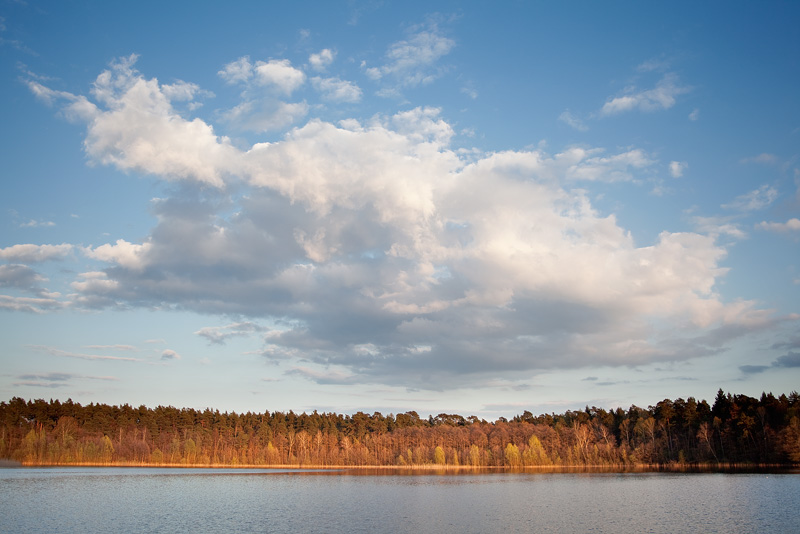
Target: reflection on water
130, 500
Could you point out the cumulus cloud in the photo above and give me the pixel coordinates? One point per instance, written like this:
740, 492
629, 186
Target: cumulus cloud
262, 108
265, 115
279, 73
276, 74
129, 255
322, 59
677, 168
29, 253
337, 90
237, 71
376, 251
662, 96
135, 127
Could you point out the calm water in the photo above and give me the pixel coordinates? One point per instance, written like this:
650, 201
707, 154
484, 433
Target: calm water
73, 500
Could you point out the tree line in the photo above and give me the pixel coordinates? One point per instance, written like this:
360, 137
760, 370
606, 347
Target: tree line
735, 429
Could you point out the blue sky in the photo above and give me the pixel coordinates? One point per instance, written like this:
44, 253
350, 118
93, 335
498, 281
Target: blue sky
461, 207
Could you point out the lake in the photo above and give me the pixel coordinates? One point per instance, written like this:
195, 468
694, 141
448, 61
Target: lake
127, 500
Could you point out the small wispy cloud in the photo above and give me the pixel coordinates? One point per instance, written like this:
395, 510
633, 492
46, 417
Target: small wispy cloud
170, 354
111, 347
55, 380
716, 226
792, 225
82, 356
320, 377
29, 253
574, 122
677, 168
411, 62
220, 334
754, 200
32, 223
337, 90
763, 159
662, 96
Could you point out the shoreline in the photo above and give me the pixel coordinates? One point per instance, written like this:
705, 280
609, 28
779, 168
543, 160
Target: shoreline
432, 468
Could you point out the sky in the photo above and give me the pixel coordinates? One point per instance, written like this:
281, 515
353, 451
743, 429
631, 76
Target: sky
478, 208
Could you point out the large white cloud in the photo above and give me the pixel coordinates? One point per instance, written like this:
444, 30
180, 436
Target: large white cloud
380, 252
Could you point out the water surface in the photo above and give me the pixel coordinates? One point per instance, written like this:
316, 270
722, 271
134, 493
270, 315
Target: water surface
128, 500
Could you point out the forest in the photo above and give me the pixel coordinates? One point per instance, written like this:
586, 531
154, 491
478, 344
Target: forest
735, 429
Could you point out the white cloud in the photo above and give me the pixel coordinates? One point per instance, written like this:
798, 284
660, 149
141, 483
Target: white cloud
587, 164
379, 235
716, 226
77, 108
264, 115
139, 129
128, 255
662, 96
37, 224
337, 90
411, 62
694, 115
29, 253
365, 241
677, 168
280, 74
792, 225
238, 71
261, 108
321, 60
571, 120
756, 199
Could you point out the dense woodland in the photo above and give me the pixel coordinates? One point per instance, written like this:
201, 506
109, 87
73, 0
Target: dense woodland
736, 429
